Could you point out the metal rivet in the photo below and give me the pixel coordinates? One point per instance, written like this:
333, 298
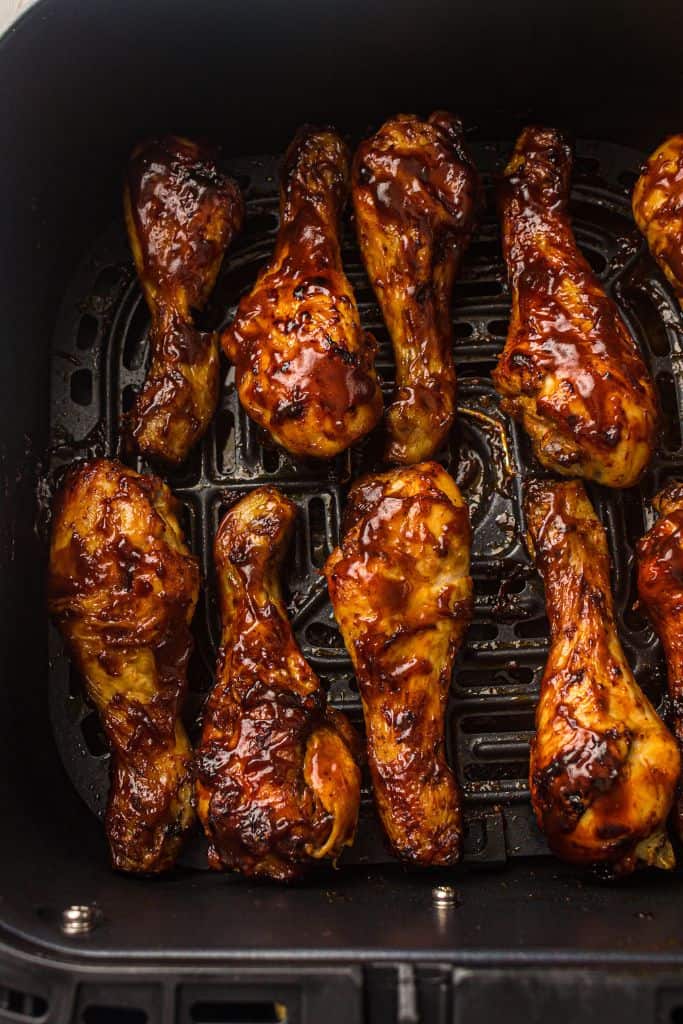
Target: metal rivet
78, 919
445, 896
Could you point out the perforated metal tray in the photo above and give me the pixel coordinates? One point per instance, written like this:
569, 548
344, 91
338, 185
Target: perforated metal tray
98, 360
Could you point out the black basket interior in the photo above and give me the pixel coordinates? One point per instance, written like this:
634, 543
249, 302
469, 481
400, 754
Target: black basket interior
99, 358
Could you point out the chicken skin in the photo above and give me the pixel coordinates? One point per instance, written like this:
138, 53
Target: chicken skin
304, 365
181, 214
660, 589
415, 195
658, 209
570, 371
277, 780
604, 767
402, 594
122, 589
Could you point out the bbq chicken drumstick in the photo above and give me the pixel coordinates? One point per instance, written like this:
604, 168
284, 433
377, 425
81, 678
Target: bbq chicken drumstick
658, 209
122, 589
182, 214
277, 781
402, 594
415, 195
570, 371
304, 365
604, 767
660, 589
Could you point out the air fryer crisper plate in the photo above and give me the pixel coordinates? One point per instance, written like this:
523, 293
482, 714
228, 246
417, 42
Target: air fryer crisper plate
98, 360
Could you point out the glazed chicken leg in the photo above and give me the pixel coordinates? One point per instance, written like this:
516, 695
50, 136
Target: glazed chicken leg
603, 766
660, 589
402, 594
182, 214
658, 209
122, 588
570, 371
277, 780
415, 194
304, 365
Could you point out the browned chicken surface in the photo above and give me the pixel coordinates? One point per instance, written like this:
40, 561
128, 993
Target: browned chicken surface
182, 213
402, 594
122, 589
415, 195
570, 371
604, 767
658, 209
304, 365
660, 589
277, 780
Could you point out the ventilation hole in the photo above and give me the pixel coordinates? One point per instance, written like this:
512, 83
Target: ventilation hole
671, 429
476, 368
108, 281
586, 166
461, 329
318, 533
478, 289
600, 217
517, 770
515, 585
95, 1014
483, 677
628, 179
633, 516
93, 735
320, 635
507, 750
127, 398
225, 441
364, 295
271, 460
482, 631
188, 472
186, 520
650, 320
238, 1013
81, 387
532, 628
486, 587
135, 347
486, 251
518, 721
87, 332
23, 1004
499, 328
381, 336
264, 223
596, 260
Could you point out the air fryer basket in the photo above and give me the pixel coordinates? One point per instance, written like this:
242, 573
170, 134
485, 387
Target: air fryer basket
80, 84
99, 359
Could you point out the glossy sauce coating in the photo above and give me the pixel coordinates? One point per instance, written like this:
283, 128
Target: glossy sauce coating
181, 214
402, 595
604, 767
304, 365
277, 780
658, 209
122, 588
660, 590
415, 196
570, 370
